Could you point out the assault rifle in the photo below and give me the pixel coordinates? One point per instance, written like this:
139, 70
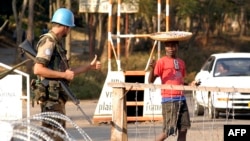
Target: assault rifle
31, 53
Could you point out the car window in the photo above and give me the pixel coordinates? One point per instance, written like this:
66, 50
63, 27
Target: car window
222, 67
208, 65
232, 67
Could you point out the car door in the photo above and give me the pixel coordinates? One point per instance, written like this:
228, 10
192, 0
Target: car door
203, 77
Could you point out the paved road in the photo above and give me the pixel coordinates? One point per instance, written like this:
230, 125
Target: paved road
202, 128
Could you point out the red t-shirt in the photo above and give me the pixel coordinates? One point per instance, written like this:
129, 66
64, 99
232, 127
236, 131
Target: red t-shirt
170, 74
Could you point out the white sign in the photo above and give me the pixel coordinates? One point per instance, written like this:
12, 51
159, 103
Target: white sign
10, 97
102, 6
152, 99
104, 105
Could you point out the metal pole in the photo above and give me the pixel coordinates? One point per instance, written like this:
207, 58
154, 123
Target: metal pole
159, 26
118, 34
167, 15
109, 35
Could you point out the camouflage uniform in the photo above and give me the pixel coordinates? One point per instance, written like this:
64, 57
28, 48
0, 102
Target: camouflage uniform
51, 53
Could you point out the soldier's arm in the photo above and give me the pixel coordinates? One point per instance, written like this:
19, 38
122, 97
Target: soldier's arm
42, 71
84, 68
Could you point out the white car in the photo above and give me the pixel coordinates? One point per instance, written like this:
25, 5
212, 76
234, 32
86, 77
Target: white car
237, 76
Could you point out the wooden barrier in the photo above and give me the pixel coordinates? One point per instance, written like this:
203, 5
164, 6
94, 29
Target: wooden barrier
136, 86
119, 116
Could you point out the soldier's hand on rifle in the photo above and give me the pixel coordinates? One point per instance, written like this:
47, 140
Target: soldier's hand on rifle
69, 75
95, 64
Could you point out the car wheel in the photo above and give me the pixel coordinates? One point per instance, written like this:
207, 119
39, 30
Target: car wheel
212, 112
198, 109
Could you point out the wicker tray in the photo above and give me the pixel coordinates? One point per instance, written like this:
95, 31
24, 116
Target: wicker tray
171, 36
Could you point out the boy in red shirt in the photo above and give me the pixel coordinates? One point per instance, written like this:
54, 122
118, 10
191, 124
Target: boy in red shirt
172, 71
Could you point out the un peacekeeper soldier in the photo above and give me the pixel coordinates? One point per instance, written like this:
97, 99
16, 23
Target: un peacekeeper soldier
51, 63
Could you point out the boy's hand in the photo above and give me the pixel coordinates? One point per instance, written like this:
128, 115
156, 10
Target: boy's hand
152, 63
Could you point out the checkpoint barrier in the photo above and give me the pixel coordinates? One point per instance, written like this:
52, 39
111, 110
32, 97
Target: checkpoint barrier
119, 112
143, 100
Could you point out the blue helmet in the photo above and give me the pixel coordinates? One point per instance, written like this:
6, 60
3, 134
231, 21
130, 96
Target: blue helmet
63, 16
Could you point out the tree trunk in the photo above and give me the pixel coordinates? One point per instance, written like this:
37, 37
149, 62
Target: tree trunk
68, 38
19, 30
241, 21
30, 31
50, 9
99, 32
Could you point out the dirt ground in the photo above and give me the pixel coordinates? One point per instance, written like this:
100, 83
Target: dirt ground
201, 129
142, 131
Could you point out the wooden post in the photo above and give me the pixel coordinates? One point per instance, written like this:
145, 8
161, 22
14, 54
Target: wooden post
119, 116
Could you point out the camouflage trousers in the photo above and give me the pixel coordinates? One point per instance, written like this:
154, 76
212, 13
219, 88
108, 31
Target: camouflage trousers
54, 106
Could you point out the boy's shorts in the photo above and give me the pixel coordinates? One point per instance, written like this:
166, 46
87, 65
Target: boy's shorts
175, 116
